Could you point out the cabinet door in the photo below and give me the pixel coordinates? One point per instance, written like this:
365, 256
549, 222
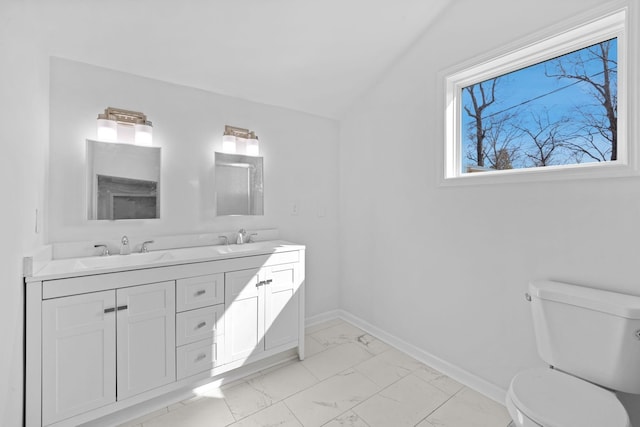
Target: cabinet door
244, 314
146, 337
78, 354
281, 305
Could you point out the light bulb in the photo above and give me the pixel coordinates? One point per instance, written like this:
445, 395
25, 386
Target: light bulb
107, 130
253, 148
229, 144
143, 134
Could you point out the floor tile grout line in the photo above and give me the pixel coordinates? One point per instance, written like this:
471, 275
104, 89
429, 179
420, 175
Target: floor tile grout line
292, 413
262, 392
326, 327
399, 379
355, 339
353, 367
441, 375
260, 373
381, 390
149, 419
431, 413
318, 381
230, 412
348, 410
309, 371
347, 339
349, 367
438, 407
326, 348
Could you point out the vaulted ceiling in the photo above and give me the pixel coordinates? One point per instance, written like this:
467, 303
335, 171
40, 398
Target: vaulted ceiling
312, 56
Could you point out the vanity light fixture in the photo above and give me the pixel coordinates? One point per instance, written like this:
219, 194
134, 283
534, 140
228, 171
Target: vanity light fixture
113, 118
240, 141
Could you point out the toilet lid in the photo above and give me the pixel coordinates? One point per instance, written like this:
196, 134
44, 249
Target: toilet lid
555, 399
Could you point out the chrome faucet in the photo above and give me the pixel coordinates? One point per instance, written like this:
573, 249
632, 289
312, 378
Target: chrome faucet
124, 246
241, 235
105, 249
143, 246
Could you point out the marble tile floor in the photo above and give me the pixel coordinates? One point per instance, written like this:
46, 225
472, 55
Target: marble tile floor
348, 378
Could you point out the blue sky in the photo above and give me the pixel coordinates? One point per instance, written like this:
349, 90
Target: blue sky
528, 83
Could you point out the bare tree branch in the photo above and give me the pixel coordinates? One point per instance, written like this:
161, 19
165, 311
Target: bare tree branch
480, 101
604, 90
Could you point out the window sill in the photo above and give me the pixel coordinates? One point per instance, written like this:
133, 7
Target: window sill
549, 173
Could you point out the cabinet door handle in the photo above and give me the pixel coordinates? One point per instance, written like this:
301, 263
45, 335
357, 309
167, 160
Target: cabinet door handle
201, 325
109, 310
200, 357
200, 292
123, 307
263, 282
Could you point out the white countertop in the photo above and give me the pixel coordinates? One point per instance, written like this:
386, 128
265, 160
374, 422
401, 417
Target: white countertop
85, 266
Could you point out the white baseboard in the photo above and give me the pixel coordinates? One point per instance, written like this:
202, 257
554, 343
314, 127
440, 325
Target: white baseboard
322, 317
463, 376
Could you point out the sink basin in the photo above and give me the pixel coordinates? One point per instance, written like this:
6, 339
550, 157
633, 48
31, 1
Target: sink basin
247, 247
122, 260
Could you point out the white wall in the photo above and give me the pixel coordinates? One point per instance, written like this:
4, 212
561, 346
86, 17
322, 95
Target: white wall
299, 150
23, 137
445, 269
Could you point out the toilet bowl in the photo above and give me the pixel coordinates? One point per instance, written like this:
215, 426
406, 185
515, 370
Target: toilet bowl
550, 398
590, 336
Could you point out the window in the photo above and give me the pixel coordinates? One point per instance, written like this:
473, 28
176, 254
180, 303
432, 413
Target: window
554, 105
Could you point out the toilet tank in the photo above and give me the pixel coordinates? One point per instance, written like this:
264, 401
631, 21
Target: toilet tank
590, 333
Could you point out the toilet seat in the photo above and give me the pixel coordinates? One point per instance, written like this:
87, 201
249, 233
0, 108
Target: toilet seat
552, 398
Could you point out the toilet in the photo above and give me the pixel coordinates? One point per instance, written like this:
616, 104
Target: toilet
591, 340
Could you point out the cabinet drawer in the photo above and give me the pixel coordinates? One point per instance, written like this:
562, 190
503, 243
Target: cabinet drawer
199, 357
195, 325
201, 291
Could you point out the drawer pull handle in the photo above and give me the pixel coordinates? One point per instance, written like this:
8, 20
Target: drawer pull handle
200, 292
268, 281
109, 310
200, 357
123, 307
201, 325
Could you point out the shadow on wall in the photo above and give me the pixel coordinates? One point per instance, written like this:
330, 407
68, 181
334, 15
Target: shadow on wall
631, 403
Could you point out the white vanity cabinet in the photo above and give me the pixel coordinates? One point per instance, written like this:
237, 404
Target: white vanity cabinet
103, 340
101, 347
261, 310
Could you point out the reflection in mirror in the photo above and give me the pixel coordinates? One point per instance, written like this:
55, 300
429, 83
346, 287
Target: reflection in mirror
239, 186
123, 181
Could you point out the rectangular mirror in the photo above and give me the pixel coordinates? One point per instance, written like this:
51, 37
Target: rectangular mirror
123, 181
238, 183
